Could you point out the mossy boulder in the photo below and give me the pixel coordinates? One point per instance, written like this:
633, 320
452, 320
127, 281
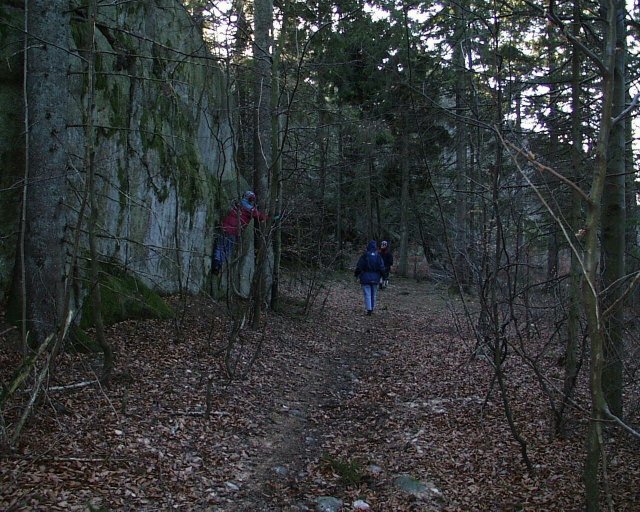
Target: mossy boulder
124, 297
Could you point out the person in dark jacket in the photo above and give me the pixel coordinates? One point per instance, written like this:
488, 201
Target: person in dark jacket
369, 269
387, 258
238, 217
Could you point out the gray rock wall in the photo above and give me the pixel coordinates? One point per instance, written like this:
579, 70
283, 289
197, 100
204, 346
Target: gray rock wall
164, 139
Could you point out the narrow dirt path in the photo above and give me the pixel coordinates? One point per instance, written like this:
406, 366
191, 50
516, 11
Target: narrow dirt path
320, 393
320, 378
295, 437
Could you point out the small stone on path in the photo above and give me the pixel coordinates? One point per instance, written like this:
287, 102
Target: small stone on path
328, 504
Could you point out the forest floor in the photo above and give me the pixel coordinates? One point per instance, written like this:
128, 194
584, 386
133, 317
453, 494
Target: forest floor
338, 409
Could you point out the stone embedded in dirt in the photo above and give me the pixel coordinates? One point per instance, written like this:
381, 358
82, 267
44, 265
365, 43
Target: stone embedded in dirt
232, 486
328, 504
281, 471
374, 469
415, 487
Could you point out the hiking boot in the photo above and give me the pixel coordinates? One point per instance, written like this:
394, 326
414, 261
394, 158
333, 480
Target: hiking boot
369, 312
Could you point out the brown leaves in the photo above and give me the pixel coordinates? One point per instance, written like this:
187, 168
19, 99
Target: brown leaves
339, 404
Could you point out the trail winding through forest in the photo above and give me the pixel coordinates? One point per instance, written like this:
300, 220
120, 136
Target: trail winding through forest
329, 408
341, 411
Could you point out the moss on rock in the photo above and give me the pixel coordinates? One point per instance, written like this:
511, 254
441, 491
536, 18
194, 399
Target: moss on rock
124, 298
81, 342
159, 159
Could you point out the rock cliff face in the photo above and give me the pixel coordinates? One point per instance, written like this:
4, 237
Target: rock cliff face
162, 126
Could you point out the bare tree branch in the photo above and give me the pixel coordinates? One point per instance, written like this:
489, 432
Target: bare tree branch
624, 113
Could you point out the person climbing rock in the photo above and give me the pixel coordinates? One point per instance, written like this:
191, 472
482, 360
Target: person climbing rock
240, 214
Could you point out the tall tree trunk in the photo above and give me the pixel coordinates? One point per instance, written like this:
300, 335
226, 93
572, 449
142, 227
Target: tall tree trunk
240, 116
90, 165
614, 230
573, 320
369, 169
323, 147
339, 239
631, 193
591, 260
553, 243
45, 271
276, 181
243, 29
322, 139
405, 193
262, 144
403, 260
461, 262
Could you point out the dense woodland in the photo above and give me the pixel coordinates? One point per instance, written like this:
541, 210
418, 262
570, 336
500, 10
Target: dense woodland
492, 143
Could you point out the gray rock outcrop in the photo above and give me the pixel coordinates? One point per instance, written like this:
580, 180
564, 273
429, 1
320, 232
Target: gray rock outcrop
164, 139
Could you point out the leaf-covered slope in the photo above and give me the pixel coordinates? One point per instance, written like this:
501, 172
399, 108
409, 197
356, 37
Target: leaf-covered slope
338, 404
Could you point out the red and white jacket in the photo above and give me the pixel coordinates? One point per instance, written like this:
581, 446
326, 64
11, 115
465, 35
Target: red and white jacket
239, 217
